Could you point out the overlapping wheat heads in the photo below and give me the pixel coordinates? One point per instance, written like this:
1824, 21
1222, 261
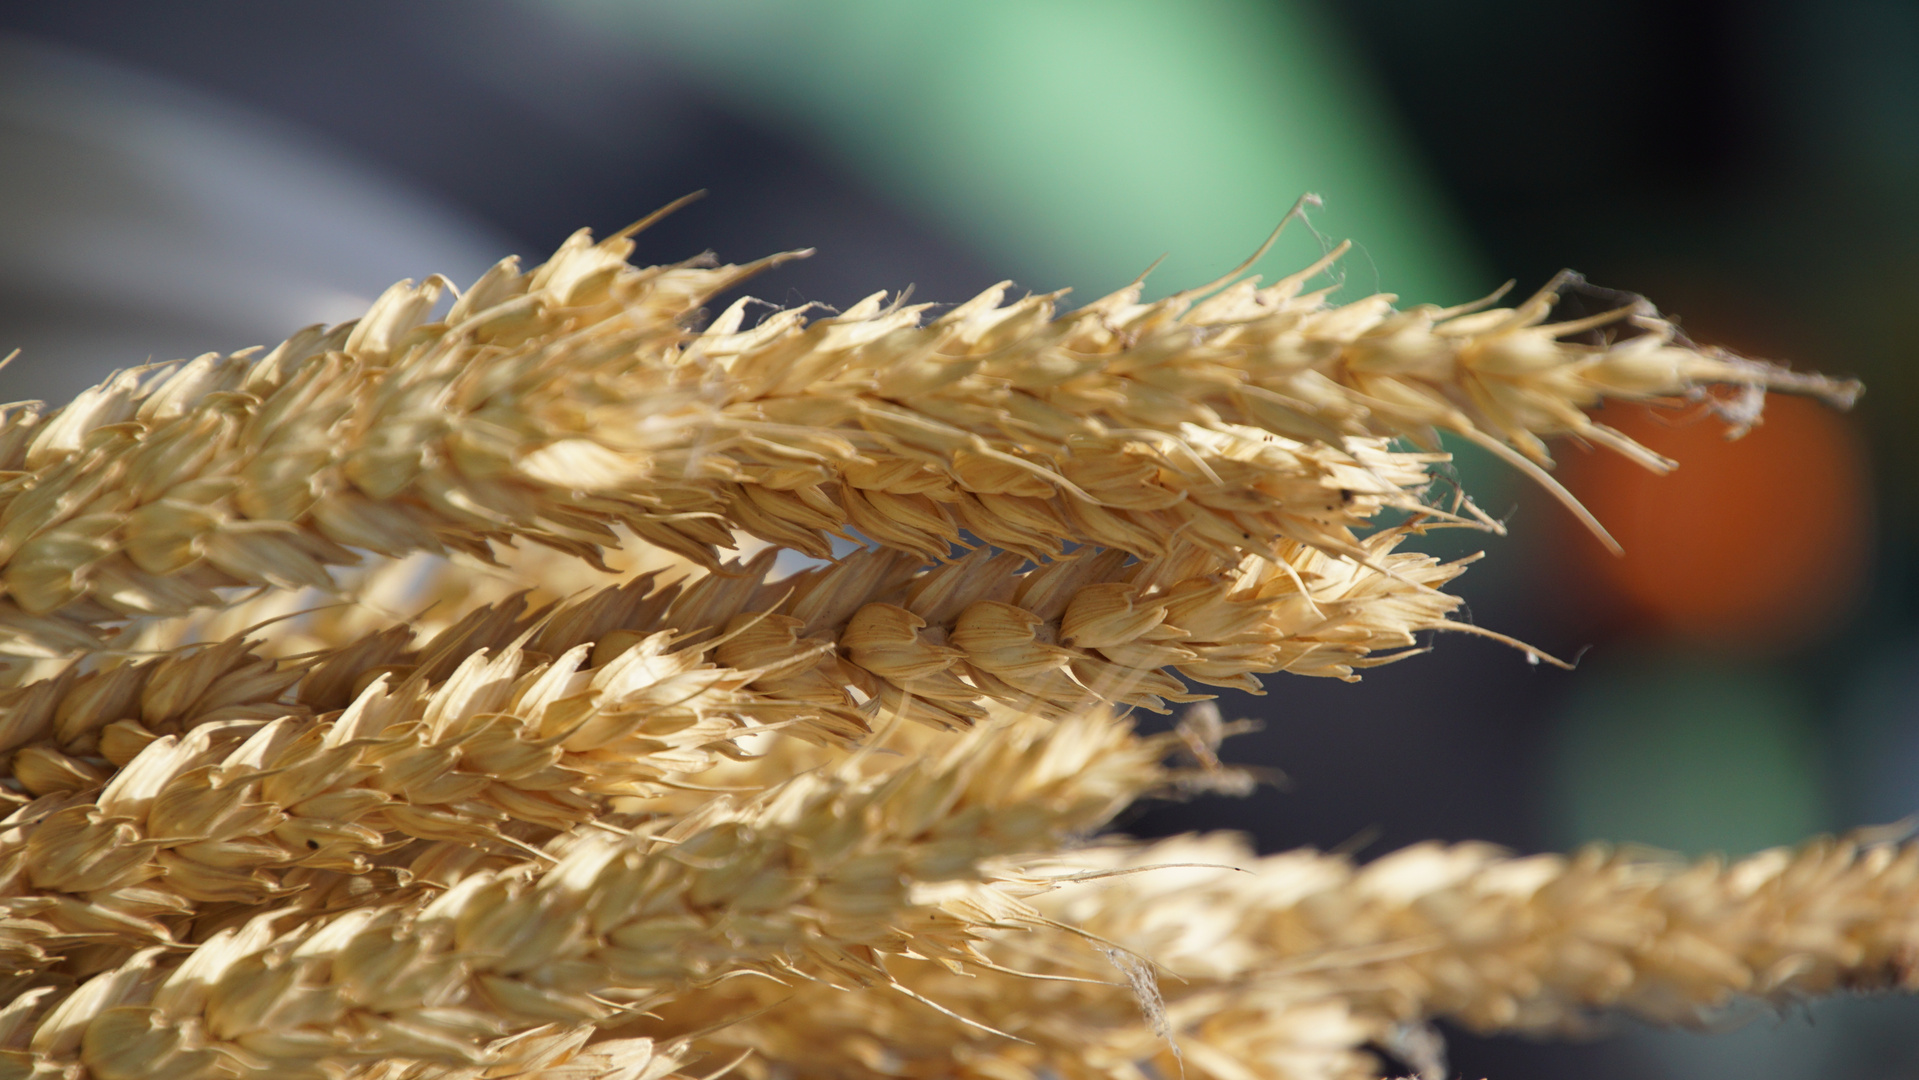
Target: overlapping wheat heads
314, 767
818, 878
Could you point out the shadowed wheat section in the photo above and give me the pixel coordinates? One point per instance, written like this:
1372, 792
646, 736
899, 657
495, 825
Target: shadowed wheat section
579, 686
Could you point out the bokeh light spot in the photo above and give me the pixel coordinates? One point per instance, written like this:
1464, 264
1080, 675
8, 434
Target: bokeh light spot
1761, 540
1656, 749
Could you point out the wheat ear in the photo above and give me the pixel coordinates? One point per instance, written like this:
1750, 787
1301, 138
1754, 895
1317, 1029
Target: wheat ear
558, 403
1290, 965
815, 879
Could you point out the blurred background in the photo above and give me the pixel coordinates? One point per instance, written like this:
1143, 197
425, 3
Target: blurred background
176, 179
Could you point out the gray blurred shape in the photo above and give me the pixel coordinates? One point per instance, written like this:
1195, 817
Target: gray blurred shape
140, 221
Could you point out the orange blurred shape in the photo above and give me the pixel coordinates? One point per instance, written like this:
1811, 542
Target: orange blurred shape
1758, 541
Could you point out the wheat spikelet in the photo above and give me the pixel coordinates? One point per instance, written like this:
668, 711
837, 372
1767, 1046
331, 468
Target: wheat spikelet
425, 593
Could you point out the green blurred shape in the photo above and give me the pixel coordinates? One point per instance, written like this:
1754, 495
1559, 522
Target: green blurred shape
1695, 757
1076, 142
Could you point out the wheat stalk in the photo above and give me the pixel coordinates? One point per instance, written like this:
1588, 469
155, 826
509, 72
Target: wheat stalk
315, 768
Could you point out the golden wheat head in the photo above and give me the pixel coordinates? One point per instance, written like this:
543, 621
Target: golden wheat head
576, 685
